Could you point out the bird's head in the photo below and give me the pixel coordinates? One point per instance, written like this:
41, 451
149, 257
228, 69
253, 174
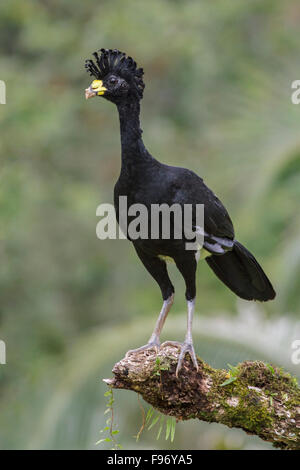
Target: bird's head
117, 77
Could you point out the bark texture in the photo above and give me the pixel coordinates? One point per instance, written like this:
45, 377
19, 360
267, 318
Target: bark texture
260, 399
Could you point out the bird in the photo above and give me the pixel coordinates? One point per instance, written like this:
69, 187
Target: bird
145, 180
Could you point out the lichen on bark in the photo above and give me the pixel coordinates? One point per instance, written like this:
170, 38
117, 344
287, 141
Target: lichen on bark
262, 399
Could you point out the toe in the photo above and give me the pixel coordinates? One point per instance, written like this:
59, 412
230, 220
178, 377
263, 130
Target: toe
194, 358
187, 348
152, 345
179, 363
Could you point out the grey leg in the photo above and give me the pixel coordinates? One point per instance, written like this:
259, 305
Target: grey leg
187, 345
154, 341
167, 304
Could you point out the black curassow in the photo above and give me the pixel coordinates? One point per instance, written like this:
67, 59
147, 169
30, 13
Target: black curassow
145, 180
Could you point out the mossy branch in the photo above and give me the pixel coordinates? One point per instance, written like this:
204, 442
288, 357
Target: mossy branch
259, 399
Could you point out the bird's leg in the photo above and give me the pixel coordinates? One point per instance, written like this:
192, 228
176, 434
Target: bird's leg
187, 346
154, 341
167, 304
187, 265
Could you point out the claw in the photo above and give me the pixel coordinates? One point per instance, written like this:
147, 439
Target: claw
151, 345
186, 347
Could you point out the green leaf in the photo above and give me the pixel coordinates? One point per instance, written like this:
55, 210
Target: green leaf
160, 427
228, 381
153, 422
168, 428
107, 439
271, 368
99, 442
149, 414
234, 369
173, 429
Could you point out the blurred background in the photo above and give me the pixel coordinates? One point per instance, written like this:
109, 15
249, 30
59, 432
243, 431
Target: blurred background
218, 101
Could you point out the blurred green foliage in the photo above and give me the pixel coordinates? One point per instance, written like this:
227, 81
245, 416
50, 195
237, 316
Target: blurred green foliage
217, 100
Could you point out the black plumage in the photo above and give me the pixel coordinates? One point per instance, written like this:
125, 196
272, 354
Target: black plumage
145, 180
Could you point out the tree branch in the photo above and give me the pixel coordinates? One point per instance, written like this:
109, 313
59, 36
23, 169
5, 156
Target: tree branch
261, 399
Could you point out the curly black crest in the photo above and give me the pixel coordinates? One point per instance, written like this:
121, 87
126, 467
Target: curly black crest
113, 61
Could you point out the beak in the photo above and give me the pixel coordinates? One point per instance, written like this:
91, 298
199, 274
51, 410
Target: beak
95, 89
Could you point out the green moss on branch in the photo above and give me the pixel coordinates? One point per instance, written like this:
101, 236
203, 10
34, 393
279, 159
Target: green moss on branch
260, 399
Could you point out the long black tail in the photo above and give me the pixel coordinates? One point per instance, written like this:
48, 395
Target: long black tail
240, 271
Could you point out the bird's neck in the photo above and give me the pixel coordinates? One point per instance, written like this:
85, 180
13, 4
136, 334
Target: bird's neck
133, 149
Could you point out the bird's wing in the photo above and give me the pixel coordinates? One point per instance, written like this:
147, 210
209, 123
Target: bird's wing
189, 188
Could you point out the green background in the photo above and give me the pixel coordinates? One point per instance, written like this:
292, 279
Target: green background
218, 101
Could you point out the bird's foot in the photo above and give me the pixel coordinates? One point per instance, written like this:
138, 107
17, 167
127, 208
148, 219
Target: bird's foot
186, 347
152, 344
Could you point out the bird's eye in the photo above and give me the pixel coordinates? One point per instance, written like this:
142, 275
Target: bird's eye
123, 85
112, 80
